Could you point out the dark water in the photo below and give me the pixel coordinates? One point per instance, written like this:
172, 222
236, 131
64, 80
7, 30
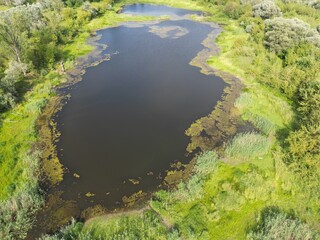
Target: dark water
128, 116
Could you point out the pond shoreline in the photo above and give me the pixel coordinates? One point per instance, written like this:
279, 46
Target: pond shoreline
53, 170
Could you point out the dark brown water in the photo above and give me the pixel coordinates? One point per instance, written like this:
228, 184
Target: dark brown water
127, 117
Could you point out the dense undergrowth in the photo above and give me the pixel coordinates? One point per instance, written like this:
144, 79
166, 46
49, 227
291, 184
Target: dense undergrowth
262, 184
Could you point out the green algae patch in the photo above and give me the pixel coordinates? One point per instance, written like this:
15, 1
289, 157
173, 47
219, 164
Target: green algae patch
51, 167
131, 200
210, 131
60, 212
90, 194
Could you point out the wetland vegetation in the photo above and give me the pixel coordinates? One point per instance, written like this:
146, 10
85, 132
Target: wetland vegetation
255, 174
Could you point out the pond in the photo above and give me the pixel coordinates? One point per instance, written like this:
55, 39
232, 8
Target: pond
125, 121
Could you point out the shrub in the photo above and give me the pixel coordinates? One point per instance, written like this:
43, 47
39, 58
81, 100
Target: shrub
233, 10
275, 224
304, 141
16, 213
266, 9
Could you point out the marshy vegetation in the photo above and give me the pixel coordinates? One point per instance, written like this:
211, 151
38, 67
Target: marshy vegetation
261, 184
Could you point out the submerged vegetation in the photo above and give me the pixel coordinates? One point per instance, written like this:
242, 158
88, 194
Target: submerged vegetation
263, 183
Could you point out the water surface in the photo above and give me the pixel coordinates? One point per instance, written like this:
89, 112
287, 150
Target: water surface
127, 118
156, 10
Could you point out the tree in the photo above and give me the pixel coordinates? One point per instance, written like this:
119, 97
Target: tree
266, 9
282, 33
233, 10
43, 50
303, 142
16, 25
8, 93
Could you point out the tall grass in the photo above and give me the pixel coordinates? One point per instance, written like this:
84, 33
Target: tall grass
145, 225
16, 213
275, 224
74, 231
19, 167
246, 146
206, 164
260, 122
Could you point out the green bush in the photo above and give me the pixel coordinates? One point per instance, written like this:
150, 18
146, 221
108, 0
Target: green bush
266, 9
233, 9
